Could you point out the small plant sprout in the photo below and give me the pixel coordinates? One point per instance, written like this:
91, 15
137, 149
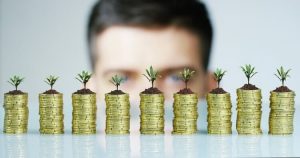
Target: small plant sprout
117, 80
186, 75
51, 81
84, 77
282, 75
152, 75
249, 72
218, 74
15, 81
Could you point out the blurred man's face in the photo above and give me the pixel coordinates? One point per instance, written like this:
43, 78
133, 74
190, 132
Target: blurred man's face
128, 51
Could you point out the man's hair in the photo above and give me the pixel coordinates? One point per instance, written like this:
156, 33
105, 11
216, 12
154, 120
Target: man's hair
187, 14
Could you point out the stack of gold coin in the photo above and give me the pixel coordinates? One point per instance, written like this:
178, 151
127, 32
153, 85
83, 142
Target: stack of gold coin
51, 113
249, 111
16, 113
117, 113
282, 113
84, 113
219, 113
152, 114
185, 113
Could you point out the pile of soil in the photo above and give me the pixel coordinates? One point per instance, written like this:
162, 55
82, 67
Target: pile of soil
185, 91
15, 92
116, 92
51, 91
282, 89
218, 91
151, 90
249, 87
84, 91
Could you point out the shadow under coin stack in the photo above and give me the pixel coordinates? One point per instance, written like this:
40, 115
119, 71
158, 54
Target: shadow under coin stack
16, 113
185, 113
282, 113
249, 111
117, 113
51, 113
84, 113
152, 114
219, 113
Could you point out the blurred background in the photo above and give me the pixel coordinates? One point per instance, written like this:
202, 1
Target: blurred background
39, 38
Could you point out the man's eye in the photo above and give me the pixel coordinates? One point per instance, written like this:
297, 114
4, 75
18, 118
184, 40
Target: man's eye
125, 78
174, 77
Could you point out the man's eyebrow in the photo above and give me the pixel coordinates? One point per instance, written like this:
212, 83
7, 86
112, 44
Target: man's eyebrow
126, 71
176, 69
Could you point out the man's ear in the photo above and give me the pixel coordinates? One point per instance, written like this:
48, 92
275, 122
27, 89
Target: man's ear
210, 82
92, 85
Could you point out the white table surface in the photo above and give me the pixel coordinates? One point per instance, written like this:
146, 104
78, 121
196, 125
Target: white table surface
201, 144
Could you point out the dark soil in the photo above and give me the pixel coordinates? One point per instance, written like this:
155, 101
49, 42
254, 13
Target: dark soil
282, 89
15, 92
249, 87
84, 91
116, 92
185, 91
151, 91
218, 91
51, 91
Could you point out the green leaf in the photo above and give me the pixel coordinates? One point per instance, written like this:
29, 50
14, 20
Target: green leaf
186, 74
16, 80
84, 77
151, 75
249, 71
282, 75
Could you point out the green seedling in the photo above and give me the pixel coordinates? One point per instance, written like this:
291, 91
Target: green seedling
84, 77
249, 72
16, 81
219, 74
152, 75
117, 80
186, 75
51, 81
282, 75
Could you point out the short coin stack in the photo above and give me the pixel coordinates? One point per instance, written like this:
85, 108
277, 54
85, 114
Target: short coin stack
51, 113
84, 113
117, 113
185, 113
219, 113
16, 113
282, 113
152, 114
249, 111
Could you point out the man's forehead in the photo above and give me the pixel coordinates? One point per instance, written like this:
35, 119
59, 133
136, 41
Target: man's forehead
134, 48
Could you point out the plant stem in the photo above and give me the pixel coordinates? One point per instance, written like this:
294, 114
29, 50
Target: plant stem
152, 82
248, 80
186, 84
84, 85
16, 88
282, 82
117, 87
51, 87
218, 84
